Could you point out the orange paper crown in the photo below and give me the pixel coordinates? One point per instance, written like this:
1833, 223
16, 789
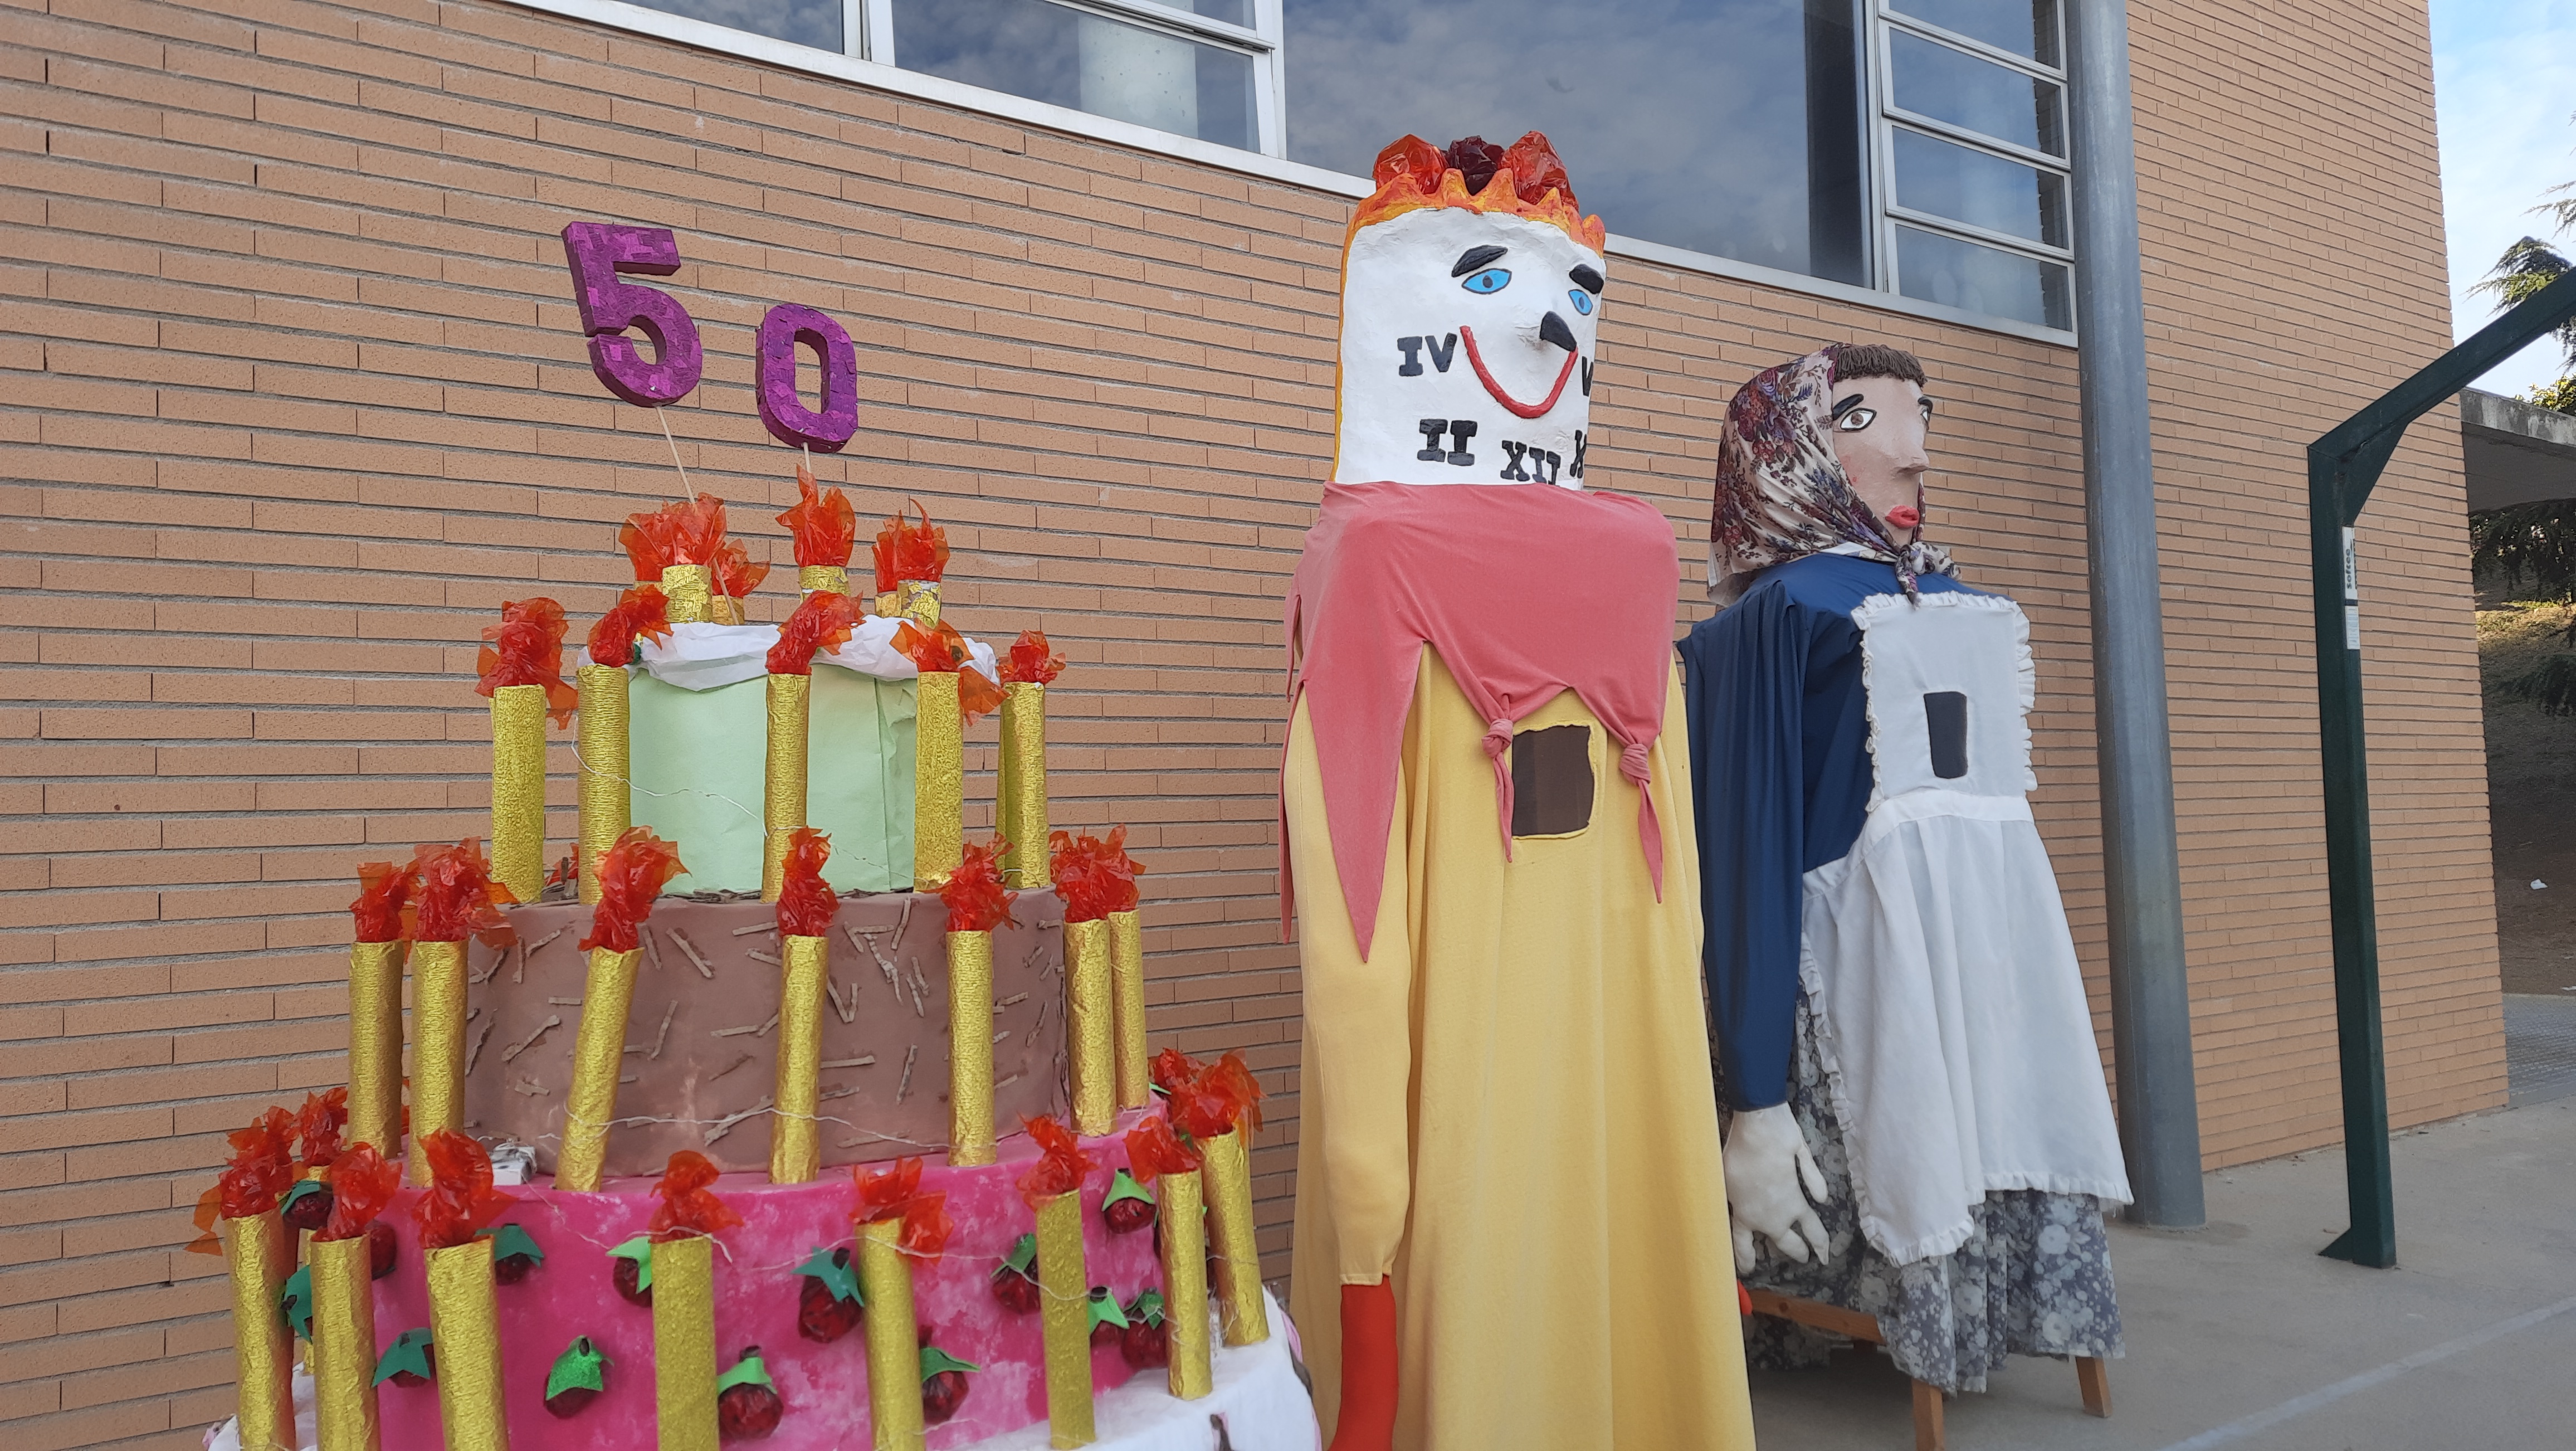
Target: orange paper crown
824, 525
689, 1207
895, 1193
460, 1201
526, 648
1061, 1167
679, 533
458, 897
631, 874
806, 903
974, 894
384, 900
820, 624
1031, 662
1413, 174
640, 611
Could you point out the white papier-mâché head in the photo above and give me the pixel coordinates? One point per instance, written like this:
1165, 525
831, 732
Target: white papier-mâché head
1471, 298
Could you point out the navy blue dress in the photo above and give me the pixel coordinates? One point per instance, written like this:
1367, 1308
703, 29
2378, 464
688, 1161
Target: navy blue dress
1780, 779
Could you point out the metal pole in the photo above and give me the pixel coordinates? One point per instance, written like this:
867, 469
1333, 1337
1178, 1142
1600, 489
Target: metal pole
2141, 869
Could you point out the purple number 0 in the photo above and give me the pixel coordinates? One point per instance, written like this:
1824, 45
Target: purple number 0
781, 407
597, 252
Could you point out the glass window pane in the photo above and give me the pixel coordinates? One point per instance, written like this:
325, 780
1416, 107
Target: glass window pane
1067, 58
1987, 280
1979, 188
2024, 27
1951, 85
1724, 126
806, 22
1232, 12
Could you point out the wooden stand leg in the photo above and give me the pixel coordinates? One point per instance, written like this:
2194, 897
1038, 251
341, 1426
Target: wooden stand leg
2093, 1379
1928, 1432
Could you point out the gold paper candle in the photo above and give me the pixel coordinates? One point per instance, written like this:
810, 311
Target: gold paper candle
1238, 1263
1088, 1026
917, 600
519, 789
344, 1345
894, 1356
970, 1048
690, 588
684, 1344
260, 1255
1021, 806
1127, 1003
939, 781
1064, 1292
783, 792
828, 577
375, 1043
465, 1320
438, 1045
590, 1103
601, 747
1155, 1154
795, 1140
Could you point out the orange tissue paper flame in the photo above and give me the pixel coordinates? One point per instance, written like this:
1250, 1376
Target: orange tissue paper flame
689, 1208
806, 903
640, 611
676, 533
262, 1165
1206, 1100
526, 648
458, 896
1093, 876
1152, 1150
460, 1201
974, 894
631, 874
895, 1193
1030, 662
384, 900
909, 551
735, 575
1525, 180
362, 1184
319, 1124
824, 525
1060, 1169
820, 624
943, 652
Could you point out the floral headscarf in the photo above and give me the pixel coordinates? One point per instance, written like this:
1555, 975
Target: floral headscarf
1781, 493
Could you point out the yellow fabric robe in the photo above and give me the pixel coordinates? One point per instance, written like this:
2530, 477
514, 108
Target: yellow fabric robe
1508, 1108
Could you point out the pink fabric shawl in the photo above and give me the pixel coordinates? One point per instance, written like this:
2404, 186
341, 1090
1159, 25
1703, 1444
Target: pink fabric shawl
1526, 590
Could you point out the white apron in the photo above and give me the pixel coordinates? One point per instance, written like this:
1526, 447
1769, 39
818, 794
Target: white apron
1951, 1017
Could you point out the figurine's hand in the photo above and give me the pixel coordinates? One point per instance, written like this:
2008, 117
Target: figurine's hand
1766, 1164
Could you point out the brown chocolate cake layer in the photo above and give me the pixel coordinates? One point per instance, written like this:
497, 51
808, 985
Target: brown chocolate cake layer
702, 1037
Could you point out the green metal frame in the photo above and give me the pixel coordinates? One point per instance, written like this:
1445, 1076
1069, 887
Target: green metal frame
2343, 467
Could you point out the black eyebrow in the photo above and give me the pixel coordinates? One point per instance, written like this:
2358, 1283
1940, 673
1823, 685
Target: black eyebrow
1846, 404
1587, 279
1475, 258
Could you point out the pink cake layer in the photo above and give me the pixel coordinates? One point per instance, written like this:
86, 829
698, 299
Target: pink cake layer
824, 1387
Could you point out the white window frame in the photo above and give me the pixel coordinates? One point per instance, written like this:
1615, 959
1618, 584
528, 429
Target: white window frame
1887, 118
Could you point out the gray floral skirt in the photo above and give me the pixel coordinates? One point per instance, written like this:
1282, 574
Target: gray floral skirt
2033, 1279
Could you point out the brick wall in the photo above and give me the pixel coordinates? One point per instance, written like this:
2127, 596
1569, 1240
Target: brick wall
294, 397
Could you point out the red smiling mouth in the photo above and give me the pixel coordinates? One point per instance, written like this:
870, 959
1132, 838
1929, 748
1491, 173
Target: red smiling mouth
1476, 360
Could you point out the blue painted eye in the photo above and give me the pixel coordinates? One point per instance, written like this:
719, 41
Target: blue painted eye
1582, 300
1492, 279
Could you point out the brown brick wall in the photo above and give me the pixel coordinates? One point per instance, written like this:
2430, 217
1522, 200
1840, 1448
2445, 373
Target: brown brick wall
291, 396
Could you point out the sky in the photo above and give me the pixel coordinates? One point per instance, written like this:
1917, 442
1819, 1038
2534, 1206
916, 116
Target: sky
2504, 78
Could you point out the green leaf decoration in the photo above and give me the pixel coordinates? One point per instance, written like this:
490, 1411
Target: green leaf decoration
408, 1352
748, 1371
1147, 1306
1024, 1255
510, 1242
301, 1188
640, 1250
295, 1297
934, 1360
1124, 1186
1104, 1310
833, 1268
582, 1366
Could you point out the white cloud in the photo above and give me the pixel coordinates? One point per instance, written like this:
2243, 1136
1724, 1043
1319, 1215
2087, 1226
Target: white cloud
2504, 76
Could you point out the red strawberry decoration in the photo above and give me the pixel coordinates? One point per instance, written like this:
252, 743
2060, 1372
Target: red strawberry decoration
307, 1206
631, 1270
943, 1384
514, 1253
1108, 1321
382, 1250
1147, 1342
580, 1374
1015, 1281
410, 1361
747, 1405
828, 1301
1130, 1205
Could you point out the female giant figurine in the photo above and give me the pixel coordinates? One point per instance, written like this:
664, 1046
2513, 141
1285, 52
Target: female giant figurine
1508, 1169
1920, 1128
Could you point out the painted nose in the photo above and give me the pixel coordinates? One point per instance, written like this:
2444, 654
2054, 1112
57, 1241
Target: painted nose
1552, 329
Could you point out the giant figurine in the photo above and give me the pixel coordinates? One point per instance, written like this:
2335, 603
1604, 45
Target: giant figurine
1919, 1127
1508, 1171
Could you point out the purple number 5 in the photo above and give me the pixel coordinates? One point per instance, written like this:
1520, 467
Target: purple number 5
597, 252
781, 408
